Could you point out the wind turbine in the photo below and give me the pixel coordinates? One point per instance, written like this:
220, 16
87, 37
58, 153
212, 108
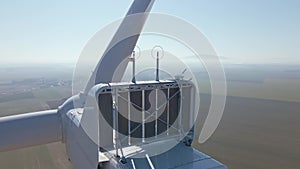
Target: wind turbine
91, 123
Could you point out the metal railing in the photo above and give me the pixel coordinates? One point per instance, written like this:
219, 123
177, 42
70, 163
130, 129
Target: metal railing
155, 122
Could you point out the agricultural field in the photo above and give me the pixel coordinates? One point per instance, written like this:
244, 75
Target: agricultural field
255, 133
259, 129
32, 92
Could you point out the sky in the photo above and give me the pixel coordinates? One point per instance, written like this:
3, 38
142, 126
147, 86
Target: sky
248, 31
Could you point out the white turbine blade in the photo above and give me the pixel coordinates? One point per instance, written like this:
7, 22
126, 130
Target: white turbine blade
122, 44
24, 130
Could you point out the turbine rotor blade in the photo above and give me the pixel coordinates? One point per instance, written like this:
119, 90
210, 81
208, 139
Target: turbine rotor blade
121, 45
30, 129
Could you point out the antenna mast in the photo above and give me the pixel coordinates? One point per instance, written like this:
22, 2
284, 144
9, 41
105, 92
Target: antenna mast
133, 67
157, 66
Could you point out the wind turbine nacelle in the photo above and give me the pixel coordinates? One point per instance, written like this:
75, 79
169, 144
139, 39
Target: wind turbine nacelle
116, 117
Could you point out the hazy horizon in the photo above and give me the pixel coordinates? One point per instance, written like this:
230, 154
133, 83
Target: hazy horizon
242, 31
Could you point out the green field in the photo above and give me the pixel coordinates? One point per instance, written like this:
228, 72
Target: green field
54, 93
255, 133
272, 89
19, 96
32, 101
48, 156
